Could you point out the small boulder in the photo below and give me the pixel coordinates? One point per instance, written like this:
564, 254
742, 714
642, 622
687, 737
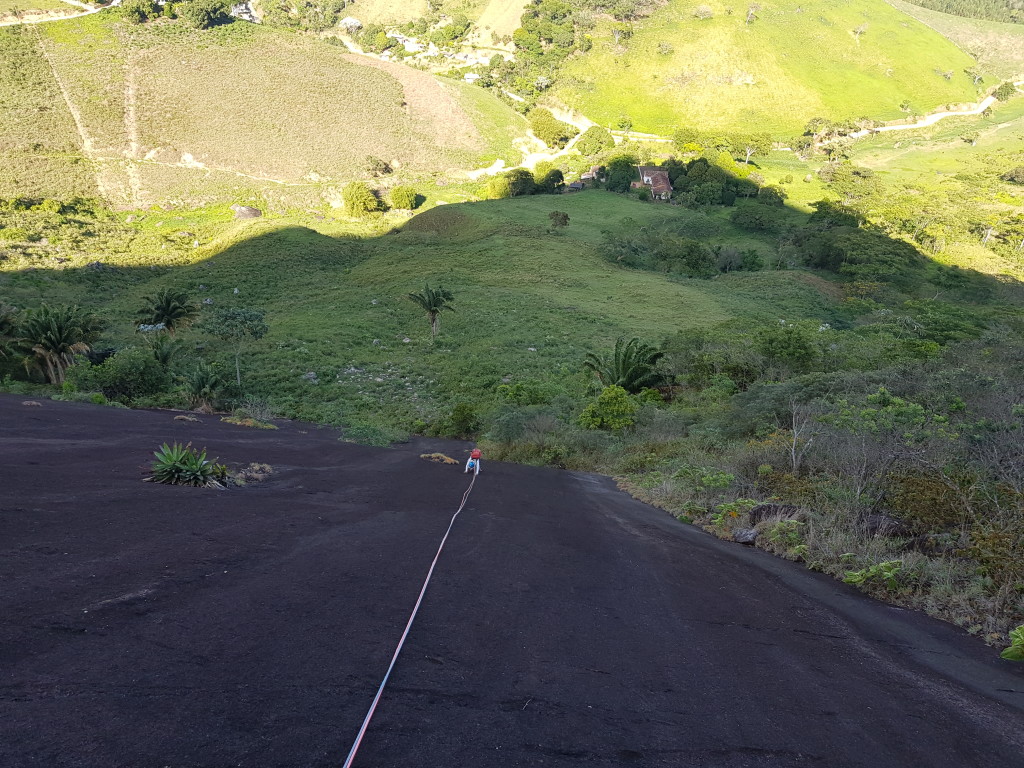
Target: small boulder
310, 377
883, 525
745, 536
765, 511
246, 212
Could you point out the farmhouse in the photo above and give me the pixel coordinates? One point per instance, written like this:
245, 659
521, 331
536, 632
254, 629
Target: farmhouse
656, 179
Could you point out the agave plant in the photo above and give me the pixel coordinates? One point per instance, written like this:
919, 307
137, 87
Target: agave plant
183, 465
54, 336
632, 365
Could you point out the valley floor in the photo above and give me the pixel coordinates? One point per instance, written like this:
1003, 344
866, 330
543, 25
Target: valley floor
566, 623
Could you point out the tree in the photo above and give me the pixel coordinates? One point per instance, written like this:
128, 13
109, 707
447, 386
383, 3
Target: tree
756, 144
632, 365
237, 326
860, 30
594, 140
168, 307
621, 173
971, 137
54, 335
359, 199
752, 12
1014, 175
559, 219
203, 14
433, 302
520, 182
1005, 91
625, 123
552, 182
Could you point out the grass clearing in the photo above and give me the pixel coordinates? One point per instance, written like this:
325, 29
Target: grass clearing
39, 146
528, 303
167, 114
998, 46
796, 61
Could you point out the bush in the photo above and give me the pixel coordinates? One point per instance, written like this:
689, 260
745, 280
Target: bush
125, 376
497, 188
613, 409
360, 200
404, 198
203, 14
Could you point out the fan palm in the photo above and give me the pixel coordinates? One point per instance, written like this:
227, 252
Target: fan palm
54, 335
170, 307
433, 302
632, 365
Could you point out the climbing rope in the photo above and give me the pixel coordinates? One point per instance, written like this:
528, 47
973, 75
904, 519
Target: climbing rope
405, 634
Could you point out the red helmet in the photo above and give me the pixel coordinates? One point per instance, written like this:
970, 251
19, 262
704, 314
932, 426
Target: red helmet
475, 454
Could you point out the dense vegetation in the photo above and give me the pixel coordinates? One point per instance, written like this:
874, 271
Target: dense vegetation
994, 10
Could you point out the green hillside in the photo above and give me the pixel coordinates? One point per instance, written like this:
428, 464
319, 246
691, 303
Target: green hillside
795, 60
169, 113
998, 46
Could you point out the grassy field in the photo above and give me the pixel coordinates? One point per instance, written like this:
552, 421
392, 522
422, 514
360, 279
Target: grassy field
10, 7
529, 303
998, 47
38, 142
797, 60
400, 11
167, 114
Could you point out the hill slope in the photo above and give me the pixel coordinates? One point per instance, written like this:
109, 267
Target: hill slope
164, 112
794, 61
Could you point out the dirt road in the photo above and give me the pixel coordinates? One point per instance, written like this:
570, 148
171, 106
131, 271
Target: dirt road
146, 626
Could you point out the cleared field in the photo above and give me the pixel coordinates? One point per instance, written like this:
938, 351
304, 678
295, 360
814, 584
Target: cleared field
500, 18
40, 149
795, 61
998, 47
13, 7
168, 113
399, 11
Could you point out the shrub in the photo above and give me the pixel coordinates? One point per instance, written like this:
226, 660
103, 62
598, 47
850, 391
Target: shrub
1016, 650
404, 198
184, 465
360, 200
125, 376
613, 409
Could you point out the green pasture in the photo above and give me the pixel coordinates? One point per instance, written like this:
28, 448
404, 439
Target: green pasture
529, 303
795, 61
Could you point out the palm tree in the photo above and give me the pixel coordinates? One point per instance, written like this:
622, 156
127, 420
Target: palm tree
433, 302
54, 335
632, 366
170, 307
